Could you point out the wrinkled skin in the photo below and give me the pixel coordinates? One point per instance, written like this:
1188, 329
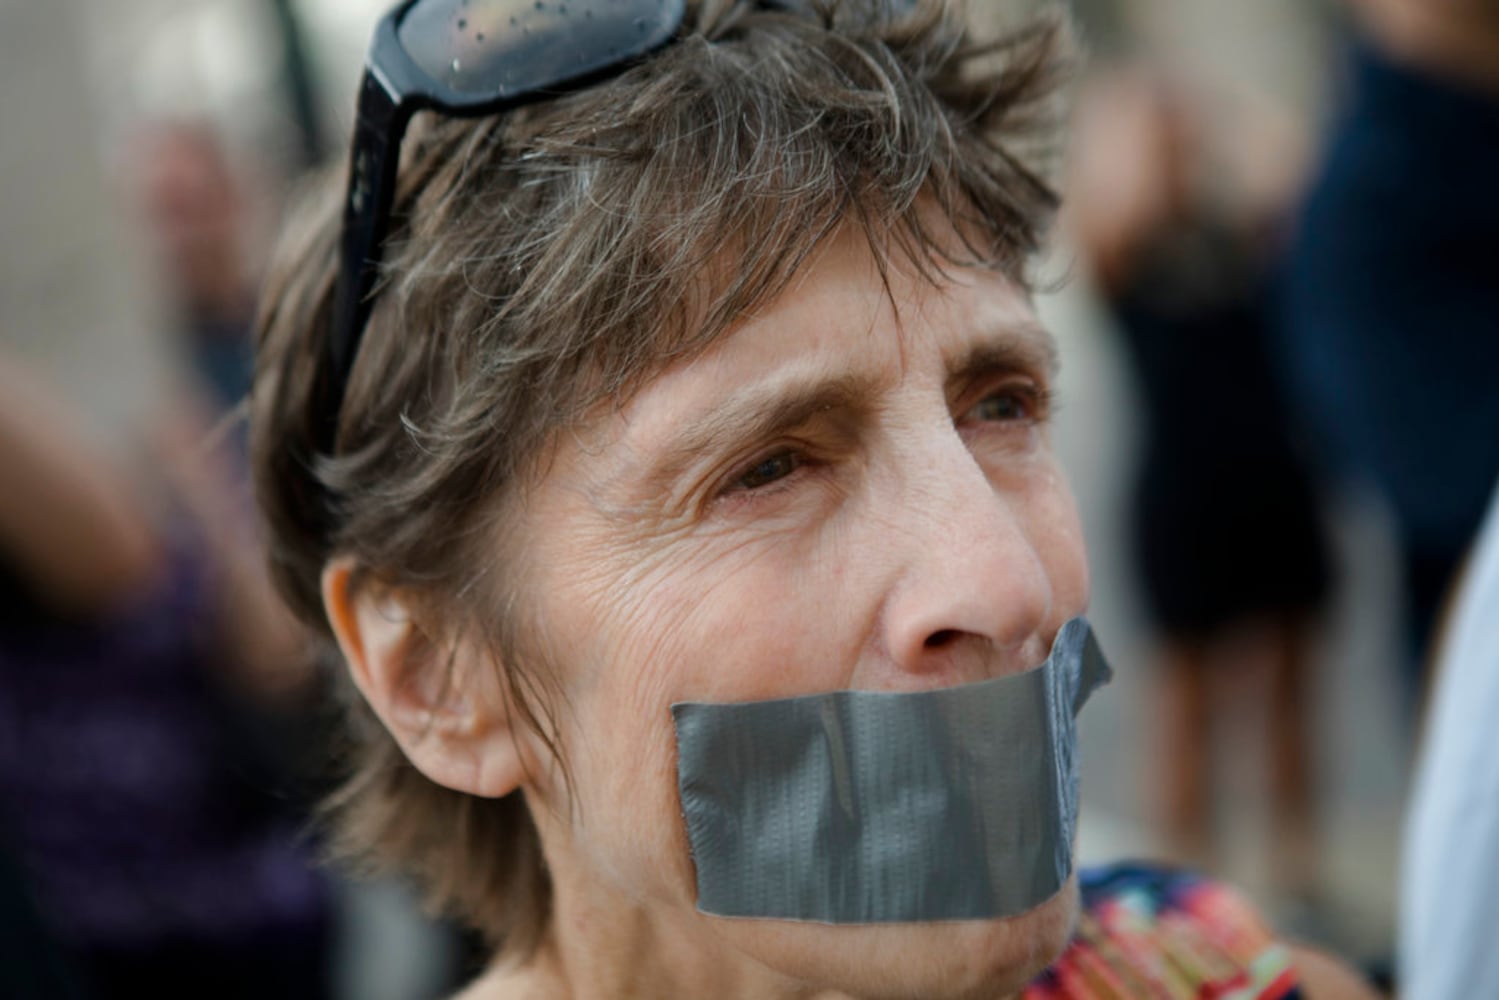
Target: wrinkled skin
852, 490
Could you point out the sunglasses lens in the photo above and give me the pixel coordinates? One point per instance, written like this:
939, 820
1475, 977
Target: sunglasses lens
500, 48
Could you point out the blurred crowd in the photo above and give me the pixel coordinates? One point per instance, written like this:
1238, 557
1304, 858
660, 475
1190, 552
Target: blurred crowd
1307, 305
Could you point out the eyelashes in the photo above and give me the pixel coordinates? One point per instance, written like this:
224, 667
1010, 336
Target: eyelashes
770, 469
772, 472
1025, 402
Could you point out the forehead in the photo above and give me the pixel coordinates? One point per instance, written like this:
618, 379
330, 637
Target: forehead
841, 320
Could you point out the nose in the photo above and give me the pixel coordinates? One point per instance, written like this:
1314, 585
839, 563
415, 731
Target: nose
973, 595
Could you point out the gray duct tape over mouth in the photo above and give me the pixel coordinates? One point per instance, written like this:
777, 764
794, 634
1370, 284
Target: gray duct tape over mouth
873, 807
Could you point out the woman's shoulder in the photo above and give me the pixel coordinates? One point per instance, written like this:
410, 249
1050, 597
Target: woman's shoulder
1147, 930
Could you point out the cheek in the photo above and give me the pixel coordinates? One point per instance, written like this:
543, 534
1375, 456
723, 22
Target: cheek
730, 624
727, 622
1057, 536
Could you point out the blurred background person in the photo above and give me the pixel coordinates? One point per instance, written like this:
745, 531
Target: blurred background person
1393, 314
195, 216
1224, 521
137, 640
146, 146
1392, 302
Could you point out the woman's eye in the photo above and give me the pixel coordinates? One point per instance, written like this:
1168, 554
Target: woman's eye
1008, 405
767, 470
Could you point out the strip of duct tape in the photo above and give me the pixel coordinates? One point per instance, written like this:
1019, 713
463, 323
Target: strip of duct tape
872, 807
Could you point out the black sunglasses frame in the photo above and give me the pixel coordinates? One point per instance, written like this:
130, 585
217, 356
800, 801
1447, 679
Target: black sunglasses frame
393, 89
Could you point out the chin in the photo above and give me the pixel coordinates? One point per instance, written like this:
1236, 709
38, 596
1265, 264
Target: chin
965, 959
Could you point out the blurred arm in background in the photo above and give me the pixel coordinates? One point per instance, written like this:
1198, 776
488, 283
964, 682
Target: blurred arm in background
69, 525
74, 528
1456, 38
264, 648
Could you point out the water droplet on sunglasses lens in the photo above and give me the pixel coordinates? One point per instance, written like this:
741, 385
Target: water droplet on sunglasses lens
462, 24
479, 37
457, 66
512, 20
540, 5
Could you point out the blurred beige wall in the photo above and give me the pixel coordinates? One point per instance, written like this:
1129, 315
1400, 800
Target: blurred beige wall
78, 280
1274, 48
75, 284
74, 301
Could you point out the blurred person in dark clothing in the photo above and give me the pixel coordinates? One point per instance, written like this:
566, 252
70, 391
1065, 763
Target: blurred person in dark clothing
1224, 518
195, 211
32, 966
1393, 320
1392, 304
134, 648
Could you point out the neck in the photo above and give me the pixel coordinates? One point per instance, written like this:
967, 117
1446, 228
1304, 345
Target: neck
605, 940
594, 949
608, 947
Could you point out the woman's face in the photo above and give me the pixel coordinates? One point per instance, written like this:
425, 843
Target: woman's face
852, 490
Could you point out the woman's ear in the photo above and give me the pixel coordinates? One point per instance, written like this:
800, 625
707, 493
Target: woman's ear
443, 700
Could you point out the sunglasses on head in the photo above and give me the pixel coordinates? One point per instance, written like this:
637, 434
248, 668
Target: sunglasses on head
464, 58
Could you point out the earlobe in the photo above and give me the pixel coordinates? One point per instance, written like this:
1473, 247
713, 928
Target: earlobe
442, 701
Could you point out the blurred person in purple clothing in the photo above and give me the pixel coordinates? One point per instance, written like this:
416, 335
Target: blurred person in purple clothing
136, 646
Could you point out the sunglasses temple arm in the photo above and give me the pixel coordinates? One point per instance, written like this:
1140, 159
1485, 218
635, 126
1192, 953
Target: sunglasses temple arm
378, 130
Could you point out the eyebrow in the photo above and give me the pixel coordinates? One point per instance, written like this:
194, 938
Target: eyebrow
760, 413
1024, 347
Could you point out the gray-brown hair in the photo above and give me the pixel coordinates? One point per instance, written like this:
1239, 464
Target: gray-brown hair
547, 260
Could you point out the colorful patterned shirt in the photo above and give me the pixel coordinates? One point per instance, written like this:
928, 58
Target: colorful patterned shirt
1148, 932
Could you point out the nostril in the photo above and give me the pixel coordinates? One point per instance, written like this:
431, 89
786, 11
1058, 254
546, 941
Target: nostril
941, 638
